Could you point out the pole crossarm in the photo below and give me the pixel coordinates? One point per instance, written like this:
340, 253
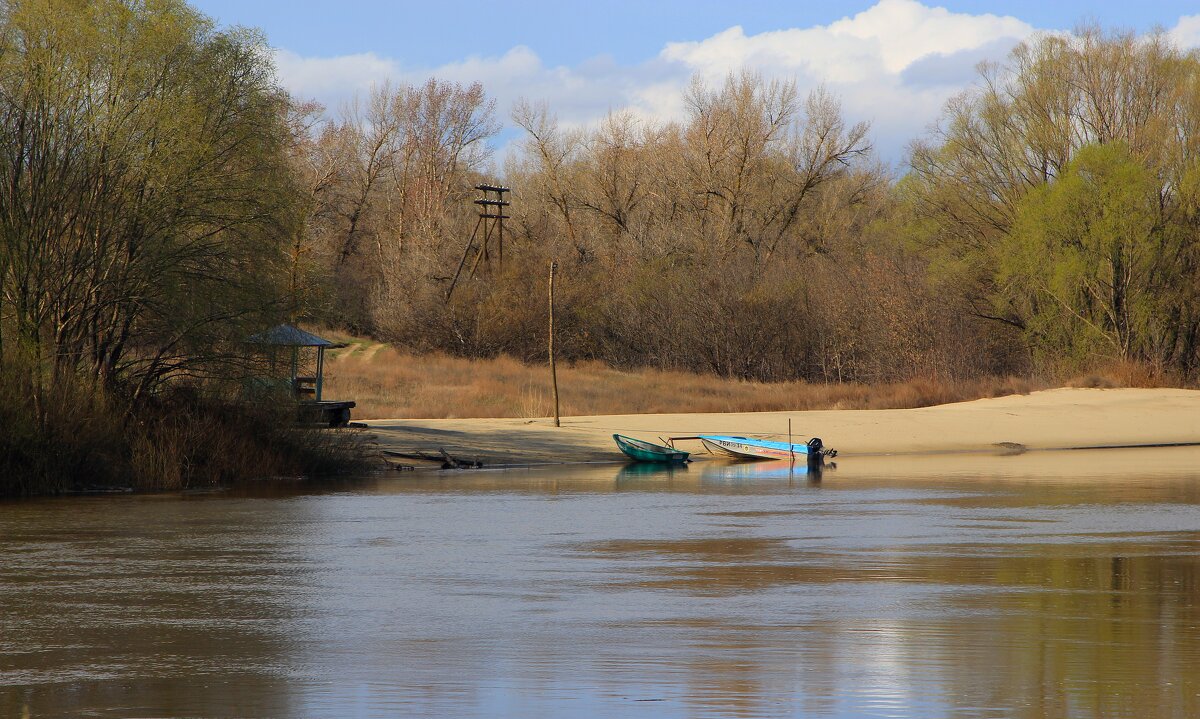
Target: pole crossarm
491, 221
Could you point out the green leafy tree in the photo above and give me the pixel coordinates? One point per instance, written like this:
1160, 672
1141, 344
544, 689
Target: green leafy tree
1091, 259
1058, 198
147, 193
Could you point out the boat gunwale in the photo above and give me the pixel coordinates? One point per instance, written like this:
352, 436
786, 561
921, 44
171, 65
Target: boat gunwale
768, 449
661, 453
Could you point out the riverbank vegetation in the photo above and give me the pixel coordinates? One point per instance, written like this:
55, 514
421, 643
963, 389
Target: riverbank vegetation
146, 202
163, 199
84, 440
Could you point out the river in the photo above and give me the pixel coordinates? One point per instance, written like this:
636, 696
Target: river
1042, 585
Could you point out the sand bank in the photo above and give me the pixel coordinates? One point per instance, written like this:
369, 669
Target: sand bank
1053, 419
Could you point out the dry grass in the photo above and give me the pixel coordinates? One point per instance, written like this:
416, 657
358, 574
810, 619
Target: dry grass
387, 383
390, 384
1126, 373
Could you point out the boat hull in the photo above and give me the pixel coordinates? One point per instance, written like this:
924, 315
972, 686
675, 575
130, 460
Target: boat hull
747, 448
641, 451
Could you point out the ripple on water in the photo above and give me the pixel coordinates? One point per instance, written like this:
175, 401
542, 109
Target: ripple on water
588, 592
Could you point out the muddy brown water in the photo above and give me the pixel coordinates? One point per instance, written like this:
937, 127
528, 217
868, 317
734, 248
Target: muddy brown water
1064, 585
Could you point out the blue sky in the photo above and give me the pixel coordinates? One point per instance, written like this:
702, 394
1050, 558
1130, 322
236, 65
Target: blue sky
892, 62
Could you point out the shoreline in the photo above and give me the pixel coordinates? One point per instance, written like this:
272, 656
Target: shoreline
1057, 419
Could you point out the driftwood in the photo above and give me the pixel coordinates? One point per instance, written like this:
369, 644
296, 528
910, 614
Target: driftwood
448, 461
456, 463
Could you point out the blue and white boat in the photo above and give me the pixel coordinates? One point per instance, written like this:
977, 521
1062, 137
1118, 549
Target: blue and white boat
749, 448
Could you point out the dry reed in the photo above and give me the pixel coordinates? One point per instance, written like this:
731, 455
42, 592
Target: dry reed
387, 383
88, 440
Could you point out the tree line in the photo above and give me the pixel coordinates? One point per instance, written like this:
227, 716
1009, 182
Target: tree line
1046, 225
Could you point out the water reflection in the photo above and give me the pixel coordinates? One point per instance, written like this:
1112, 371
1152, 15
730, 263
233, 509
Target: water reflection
636, 474
716, 589
802, 472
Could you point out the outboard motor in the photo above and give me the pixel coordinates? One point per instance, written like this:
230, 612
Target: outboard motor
816, 455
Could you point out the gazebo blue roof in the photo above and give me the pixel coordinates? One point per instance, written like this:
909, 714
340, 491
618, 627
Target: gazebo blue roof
289, 336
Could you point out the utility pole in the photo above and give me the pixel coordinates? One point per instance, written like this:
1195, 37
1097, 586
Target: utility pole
491, 217
553, 371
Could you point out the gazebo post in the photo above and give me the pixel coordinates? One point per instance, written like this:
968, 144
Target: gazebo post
320, 370
295, 370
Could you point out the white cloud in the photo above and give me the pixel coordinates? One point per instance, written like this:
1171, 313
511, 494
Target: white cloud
578, 95
894, 64
883, 40
332, 80
1186, 32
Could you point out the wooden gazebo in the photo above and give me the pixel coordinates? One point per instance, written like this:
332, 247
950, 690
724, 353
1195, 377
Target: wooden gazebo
306, 387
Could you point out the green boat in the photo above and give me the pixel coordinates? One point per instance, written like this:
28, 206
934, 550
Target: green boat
641, 451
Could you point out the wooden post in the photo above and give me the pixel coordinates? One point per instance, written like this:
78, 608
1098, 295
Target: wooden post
790, 448
462, 263
295, 369
553, 371
320, 371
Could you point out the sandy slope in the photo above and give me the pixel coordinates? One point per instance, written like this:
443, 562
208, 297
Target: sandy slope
1053, 419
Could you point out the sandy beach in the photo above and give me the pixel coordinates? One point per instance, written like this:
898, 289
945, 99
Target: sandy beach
1066, 418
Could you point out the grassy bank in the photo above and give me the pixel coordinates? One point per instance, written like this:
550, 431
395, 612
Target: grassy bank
74, 438
387, 383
